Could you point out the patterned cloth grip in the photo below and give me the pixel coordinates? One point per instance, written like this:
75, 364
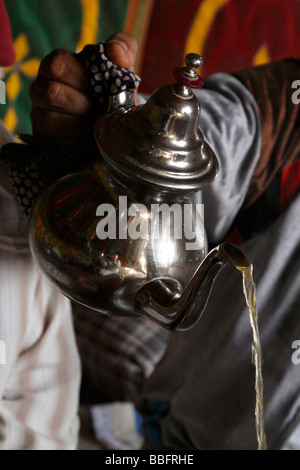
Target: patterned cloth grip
35, 166
107, 79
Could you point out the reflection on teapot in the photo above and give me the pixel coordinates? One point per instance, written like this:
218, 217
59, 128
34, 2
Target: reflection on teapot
124, 236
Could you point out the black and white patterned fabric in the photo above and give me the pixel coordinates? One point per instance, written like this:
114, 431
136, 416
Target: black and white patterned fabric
106, 78
34, 166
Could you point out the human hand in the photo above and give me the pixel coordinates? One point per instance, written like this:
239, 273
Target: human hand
63, 107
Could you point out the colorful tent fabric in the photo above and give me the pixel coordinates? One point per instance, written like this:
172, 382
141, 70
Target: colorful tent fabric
229, 34
7, 55
39, 27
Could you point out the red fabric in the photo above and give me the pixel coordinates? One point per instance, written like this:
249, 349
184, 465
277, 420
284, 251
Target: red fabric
234, 237
237, 31
7, 54
168, 29
290, 184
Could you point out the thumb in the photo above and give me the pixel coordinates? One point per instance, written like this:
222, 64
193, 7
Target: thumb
121, 48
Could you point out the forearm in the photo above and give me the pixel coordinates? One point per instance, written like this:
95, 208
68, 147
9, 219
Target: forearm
271, 87
252, 123
230, 124
13, 226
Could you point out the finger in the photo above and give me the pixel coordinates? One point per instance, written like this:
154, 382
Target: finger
63, 66
60, 126
121, 48
56, 96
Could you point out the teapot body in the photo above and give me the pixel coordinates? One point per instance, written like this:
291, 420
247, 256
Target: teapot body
100, 241
124, 236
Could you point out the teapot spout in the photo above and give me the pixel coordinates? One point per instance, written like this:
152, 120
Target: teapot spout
165, 302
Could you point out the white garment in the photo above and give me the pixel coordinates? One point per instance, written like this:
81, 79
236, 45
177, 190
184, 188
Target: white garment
39, 366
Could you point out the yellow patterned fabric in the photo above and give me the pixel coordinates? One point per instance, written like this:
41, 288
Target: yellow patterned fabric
39, 27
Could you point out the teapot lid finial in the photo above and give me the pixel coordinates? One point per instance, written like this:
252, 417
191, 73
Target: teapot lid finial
160, 142
188, 75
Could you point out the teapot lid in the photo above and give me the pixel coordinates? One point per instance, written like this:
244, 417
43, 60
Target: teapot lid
160, 142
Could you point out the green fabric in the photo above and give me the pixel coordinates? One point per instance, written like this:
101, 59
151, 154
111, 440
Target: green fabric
49, 24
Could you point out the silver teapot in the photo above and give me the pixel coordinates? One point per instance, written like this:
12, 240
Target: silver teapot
125, 236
